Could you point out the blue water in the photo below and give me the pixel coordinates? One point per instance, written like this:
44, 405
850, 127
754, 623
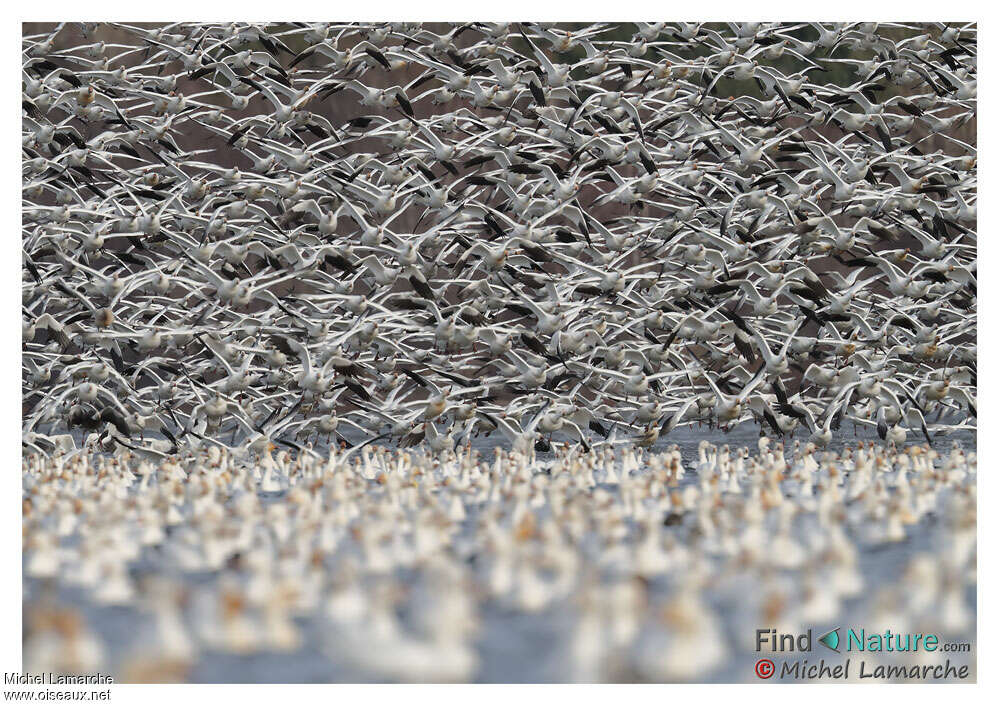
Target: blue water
512, 646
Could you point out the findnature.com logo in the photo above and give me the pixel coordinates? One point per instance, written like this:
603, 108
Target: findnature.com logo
860, 642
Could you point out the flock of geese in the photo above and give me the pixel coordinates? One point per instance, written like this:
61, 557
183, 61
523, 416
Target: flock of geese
616, 564
253, 251
242, 235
